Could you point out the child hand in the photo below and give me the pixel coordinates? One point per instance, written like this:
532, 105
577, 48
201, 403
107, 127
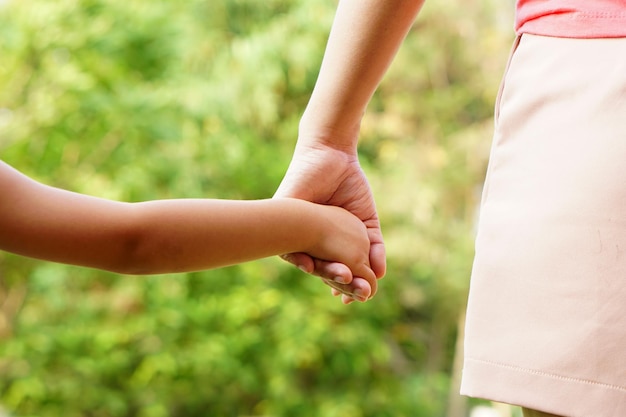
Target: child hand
342, 239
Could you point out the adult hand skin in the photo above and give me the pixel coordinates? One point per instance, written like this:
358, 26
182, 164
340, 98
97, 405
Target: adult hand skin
364, 39
326, 174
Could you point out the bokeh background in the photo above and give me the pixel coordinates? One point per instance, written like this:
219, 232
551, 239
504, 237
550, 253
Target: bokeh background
149, 99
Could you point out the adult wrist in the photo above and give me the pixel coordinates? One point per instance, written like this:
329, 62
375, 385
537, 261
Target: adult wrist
315, 129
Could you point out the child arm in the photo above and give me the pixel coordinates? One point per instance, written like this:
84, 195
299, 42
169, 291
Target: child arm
168, 235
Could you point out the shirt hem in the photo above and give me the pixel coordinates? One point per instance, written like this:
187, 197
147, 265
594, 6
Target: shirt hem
539, 390
576, 25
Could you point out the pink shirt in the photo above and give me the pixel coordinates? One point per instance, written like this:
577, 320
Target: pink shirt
572, 18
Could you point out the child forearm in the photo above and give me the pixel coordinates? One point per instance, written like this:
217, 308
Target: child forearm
186, 235
150, 237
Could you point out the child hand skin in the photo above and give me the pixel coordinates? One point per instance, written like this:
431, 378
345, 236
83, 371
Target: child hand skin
181, 235
346, 238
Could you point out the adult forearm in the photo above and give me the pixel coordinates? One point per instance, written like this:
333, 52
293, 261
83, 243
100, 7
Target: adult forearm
364, 39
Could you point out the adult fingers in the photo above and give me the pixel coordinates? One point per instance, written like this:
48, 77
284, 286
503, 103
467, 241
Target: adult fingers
303, 261
359, 289
332, 271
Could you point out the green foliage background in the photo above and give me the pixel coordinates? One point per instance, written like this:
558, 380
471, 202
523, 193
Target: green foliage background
145, 99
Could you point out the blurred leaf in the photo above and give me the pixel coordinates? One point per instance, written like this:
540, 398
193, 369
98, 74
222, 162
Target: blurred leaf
140, 99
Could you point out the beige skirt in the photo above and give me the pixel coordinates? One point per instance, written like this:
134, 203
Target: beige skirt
546, 320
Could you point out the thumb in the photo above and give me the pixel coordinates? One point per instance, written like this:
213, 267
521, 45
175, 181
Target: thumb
378, 260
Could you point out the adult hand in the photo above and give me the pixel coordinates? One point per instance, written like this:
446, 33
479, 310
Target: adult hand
363, 40
326, 173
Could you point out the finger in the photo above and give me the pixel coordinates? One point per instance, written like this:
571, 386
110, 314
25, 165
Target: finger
333, 271
339, 288
359, 289
367, 281
378, 259
303, 261
346, 299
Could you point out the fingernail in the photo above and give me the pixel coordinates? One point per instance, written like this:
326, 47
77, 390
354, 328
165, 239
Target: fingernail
340, 280
360, 295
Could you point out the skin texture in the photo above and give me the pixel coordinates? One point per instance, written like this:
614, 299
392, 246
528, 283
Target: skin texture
364, 39
171, 235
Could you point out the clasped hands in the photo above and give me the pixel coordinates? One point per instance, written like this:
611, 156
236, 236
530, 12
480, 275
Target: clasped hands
327, 174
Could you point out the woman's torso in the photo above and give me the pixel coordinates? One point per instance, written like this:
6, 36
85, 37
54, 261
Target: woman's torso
572, 18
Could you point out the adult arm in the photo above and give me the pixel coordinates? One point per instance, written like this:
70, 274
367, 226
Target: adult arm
364, 39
